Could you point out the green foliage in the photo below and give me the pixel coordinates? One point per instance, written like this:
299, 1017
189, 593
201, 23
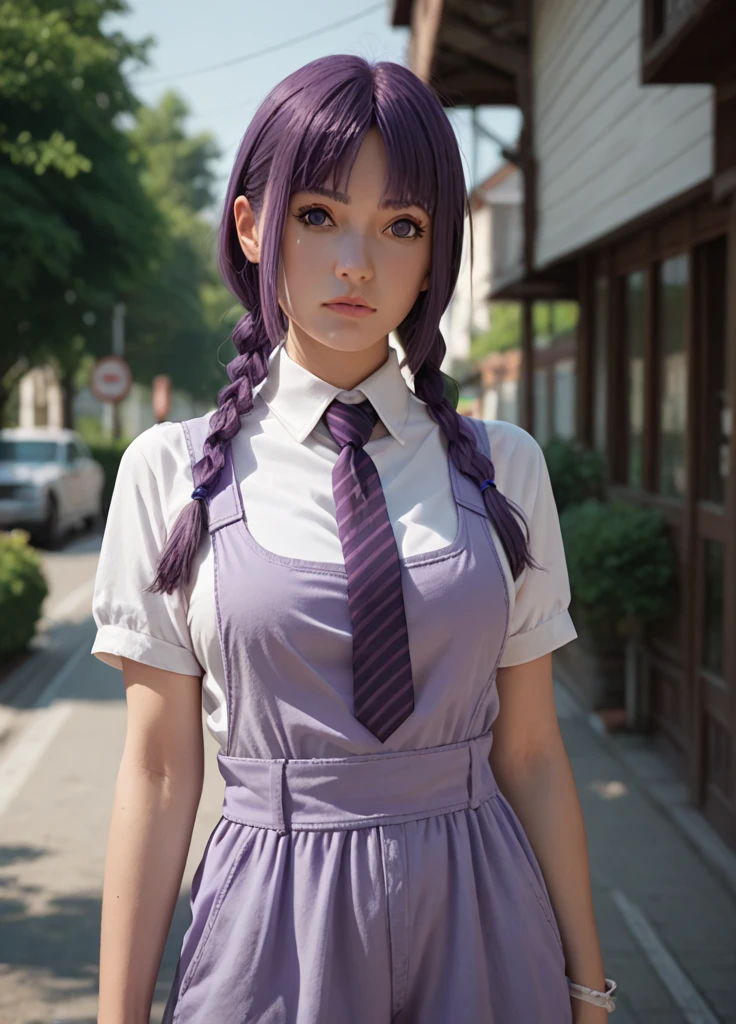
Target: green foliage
576, 472
174, 322
108, 454
621, 564
549, 320
101, 201
77, 230
504, 332
23, 588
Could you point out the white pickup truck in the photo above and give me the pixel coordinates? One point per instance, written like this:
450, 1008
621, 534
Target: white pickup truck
49, 482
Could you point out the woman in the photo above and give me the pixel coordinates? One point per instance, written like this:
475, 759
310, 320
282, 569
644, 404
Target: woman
358, 583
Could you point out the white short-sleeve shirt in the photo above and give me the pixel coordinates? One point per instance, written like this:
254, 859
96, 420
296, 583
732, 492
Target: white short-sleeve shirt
283, 457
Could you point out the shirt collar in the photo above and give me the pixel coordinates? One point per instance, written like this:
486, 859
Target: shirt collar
298, 399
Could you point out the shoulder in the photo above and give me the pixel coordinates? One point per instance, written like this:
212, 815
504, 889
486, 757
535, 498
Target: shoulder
155, 472
159, 448
517, 459
512, 446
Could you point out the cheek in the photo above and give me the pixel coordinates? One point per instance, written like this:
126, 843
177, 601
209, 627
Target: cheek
403, 268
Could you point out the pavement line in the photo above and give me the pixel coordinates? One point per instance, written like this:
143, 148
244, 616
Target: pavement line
48, 717
677, 983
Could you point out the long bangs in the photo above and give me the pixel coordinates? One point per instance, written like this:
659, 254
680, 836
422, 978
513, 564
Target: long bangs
308, 132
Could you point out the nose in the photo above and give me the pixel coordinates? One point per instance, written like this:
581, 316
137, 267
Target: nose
353, 262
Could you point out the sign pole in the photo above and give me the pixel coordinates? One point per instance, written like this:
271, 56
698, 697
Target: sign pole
110, 382
118, 349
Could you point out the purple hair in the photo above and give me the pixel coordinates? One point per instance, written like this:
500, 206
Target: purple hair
307, 130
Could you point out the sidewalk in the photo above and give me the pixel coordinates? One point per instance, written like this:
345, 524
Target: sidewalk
666, 912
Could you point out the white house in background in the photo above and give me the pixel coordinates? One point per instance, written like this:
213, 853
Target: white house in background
496, 208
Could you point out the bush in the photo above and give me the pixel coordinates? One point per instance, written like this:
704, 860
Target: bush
108, 454
22, 591
621, 564
576, 472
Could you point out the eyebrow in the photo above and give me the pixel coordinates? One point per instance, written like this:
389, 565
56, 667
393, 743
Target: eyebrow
343, 197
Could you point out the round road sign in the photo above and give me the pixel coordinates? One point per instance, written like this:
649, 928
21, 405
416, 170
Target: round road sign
111, 379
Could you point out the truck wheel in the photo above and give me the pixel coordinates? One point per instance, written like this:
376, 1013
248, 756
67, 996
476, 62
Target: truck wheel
51, 533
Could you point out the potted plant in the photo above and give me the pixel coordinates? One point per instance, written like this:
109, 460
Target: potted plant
622, 566
576, 472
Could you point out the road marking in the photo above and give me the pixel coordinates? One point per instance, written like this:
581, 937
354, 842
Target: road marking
48, 717
677, 983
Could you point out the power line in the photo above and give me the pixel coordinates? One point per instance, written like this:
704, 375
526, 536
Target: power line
268, 49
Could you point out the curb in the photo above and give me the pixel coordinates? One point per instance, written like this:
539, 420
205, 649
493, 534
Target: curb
665, 790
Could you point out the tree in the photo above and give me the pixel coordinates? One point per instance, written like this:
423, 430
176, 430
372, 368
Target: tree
175, 318
78, 230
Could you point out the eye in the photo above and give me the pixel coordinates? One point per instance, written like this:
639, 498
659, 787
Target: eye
307, 211
418, 232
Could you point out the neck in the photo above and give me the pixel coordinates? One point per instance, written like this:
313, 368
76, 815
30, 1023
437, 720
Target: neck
343, 369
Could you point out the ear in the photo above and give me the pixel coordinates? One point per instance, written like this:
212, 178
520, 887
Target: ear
245, 224
425, 282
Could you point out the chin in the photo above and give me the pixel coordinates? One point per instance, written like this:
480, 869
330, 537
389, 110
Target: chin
350, 336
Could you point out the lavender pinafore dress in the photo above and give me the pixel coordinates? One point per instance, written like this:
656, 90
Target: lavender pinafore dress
349, 879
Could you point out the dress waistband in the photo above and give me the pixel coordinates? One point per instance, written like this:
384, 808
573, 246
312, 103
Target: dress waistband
358, 791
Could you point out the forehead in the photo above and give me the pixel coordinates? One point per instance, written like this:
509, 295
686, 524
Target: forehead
342, 197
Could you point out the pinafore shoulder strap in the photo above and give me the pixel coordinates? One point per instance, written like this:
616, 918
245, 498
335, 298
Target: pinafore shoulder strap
224, 505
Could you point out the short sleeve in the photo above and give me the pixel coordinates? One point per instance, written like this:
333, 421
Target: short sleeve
145, 627
540, 619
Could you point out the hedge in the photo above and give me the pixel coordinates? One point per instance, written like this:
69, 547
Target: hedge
621, 563
108, 455
23, 588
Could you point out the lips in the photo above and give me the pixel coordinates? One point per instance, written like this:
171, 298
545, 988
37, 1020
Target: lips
346, 300
350, 309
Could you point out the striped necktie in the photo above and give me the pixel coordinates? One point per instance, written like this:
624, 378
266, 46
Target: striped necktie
383, 690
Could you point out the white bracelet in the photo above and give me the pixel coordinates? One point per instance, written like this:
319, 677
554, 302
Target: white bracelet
591, 995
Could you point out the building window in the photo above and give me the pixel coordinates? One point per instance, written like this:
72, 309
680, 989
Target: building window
600, 364
563, 383
636, 301
673, 286
717, 425
541, 405
712, 653
668, 15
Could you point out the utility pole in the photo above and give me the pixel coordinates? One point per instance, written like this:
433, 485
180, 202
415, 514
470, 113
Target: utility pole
118, 349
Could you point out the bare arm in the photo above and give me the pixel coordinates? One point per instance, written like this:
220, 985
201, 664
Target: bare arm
158, 788
533, 772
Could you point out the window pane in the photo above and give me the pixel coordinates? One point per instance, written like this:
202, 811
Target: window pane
712, 656
673, 286
564, 378
711, 340
541, 406
600, 364
28, 451
635, 327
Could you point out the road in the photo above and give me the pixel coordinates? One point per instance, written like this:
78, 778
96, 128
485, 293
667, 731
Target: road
666, 915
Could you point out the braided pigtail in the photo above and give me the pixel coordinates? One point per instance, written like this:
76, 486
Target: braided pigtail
246, 371
470, 460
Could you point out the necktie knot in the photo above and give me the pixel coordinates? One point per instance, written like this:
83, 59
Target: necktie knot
350, 423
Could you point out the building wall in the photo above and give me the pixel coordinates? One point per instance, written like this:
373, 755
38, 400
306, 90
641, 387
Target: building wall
465, 311
608, 149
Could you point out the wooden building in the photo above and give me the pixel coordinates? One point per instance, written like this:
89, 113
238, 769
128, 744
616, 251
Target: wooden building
628, 153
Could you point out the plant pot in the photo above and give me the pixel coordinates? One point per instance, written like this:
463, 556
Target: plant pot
636, 687
593, 666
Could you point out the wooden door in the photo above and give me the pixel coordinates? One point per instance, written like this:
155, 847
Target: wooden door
713, 540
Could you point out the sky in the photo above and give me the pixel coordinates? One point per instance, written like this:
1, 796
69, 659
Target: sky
192, 35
